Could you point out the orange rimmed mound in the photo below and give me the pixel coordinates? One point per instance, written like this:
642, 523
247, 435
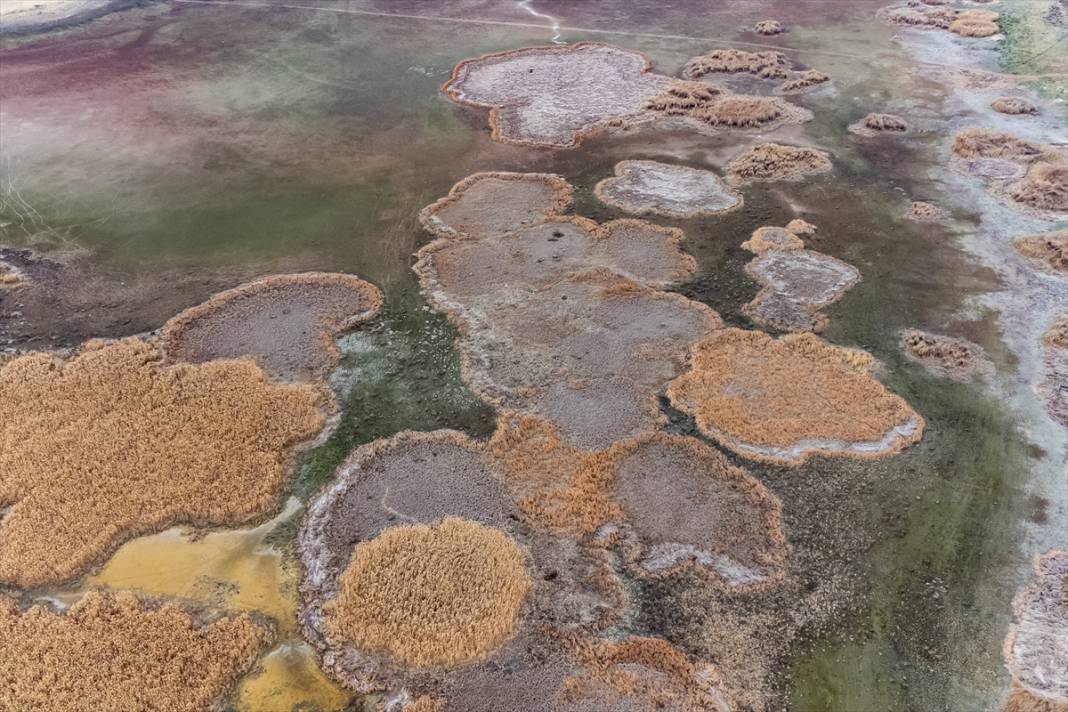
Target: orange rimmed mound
1049, 249
112, 444
766, 65
774, 162
113, 653
432, 595
783, 400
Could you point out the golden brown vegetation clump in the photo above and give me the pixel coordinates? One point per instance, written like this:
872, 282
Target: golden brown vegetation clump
774, 162
114, 653
1044, 187
8, 276
809, 78
782, 400
1057, 334
966, 23
682, 96
944, 355
1014, 105
113, 443
766, 65
876, 124
920, 210
769, 27
710, 105
766, 239
984, 143
974, 23
432, 595
1049, 250
741, 111
801, 227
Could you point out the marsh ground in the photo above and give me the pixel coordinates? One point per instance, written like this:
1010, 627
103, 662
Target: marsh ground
166, 152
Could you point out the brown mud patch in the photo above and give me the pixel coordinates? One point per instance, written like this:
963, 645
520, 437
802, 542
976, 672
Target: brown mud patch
287, 323
650, 187
1036, 648
879, 125
564, 318
1049, 250
1054, 388
769, 162
112, 443
945, 356
795, 283
965, 23
118, 653
784, 400
517, 485
1014, 106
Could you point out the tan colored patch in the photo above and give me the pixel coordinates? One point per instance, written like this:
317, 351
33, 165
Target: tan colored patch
766, 65
877, 124
112, 444
114, 653
777, 162
432, 595
803, 81
1049, 249
944, 355
783, 400
769, 27
1014, 106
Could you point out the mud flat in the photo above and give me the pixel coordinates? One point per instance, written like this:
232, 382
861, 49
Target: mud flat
555, 96
650, 187
1029, 175
1036, 649
26, 16
119, 653
784, 400
112, 443
527, 637
945, 356
795, 283
1054, 388
770, 162
1049, 251
564, 318
287, 323
879, 125
966, 23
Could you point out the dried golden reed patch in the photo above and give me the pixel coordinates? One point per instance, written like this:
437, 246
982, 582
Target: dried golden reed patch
1044, 187
1057, 334
8, 276
809, 78
1014, 106
432, 595
783, 400
944, 355
922, 211
769, 27
876, 124
114, 653
113, 444
1049, 249
774, 162
766, 65
984, 143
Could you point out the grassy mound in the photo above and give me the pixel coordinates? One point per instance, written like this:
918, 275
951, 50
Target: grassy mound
769, 162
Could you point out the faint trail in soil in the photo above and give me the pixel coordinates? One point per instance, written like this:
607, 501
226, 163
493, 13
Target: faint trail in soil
555, 25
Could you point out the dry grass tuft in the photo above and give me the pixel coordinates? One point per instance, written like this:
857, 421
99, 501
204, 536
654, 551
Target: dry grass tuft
766, 65
1044, 187
1014, 105
966, 23
766, 239
777, 162
432, 595
9, 277
800, 227
1049, 250
803, 81
878, 124
769, 27
682, 96
741, 111
782, 400
975, 23
1020, 700
425, 704
920, 210
1057, 334
112, 444
983, 143
944, 355
113, 653
708, 104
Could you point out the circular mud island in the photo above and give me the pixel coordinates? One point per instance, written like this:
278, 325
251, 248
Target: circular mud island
117, 653
965, 23
795, 283
1049, 250
650, 187
1014, 106
287, 323
519, 638
113, 443
1029, 174
1036, 649
563, 318
879, 125
784, 400
770, 162
945, 356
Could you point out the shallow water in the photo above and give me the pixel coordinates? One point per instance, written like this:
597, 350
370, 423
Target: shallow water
186, 148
